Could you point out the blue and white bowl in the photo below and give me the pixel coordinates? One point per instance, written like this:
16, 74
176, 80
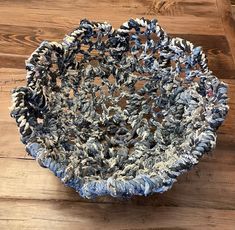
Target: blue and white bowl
119, 112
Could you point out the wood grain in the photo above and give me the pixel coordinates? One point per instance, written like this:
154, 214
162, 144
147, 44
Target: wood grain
218, 52
28, 214
233, 12
224, 8
183, 8
31, 197
232, 2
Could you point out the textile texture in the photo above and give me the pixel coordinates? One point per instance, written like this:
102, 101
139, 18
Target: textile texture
119, 112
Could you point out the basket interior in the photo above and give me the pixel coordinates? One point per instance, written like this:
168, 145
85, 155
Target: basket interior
118, 106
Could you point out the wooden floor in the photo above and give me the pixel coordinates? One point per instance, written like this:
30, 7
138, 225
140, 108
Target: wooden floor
32, 198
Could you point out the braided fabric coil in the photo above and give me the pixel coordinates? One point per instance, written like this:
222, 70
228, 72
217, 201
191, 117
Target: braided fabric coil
119, 112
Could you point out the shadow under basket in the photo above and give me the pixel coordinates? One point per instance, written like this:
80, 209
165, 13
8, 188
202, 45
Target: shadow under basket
119, 112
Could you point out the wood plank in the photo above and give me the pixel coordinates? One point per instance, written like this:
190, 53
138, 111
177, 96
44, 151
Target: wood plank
23, 40
207, 8
233, 12
232, 2
18, 42
28, 214
68, 19
27, 38
190, 8
12, 61
228, 21
10, 78
10, 144
25, 179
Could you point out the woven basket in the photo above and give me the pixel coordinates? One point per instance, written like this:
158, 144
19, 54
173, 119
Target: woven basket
119, 112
